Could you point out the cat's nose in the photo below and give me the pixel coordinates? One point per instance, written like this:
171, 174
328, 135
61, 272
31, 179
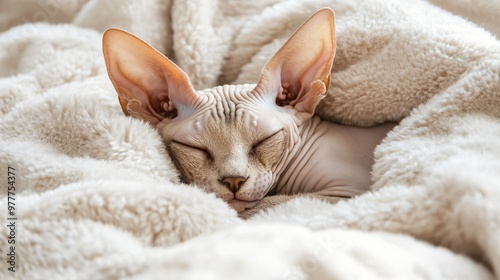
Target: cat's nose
233, 183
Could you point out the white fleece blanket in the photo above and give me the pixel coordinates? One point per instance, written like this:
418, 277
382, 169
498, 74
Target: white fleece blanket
96, 196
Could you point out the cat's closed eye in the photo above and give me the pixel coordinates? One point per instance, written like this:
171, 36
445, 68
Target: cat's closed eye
176, 145
193, 162
269, 149
268, 139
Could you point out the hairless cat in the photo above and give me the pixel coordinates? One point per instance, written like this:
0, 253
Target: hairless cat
253, 145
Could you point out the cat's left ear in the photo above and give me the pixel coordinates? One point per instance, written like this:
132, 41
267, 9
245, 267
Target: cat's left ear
299, 73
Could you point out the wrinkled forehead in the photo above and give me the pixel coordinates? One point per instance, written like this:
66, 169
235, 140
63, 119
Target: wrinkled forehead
234, 103
232, 109
238, 107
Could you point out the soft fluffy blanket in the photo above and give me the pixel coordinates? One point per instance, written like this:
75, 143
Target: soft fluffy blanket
96, 196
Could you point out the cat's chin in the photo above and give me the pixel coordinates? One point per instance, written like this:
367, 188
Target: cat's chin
240, 205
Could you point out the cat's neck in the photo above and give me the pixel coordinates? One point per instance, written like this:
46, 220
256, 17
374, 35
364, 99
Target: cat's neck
299, 143
323, 152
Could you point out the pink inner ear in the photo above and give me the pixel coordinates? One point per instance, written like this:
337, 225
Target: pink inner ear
141, 73
144, 88
305, 58
165, 105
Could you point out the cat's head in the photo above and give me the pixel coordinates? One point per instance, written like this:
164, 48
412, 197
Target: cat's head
232, 140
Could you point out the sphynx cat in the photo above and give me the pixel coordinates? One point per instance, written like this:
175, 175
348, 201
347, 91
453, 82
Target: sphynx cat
253, 145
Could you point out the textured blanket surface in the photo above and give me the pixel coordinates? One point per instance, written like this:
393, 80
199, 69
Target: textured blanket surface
96, 196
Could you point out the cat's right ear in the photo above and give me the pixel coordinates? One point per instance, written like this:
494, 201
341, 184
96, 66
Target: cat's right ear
298, 75
149, 85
